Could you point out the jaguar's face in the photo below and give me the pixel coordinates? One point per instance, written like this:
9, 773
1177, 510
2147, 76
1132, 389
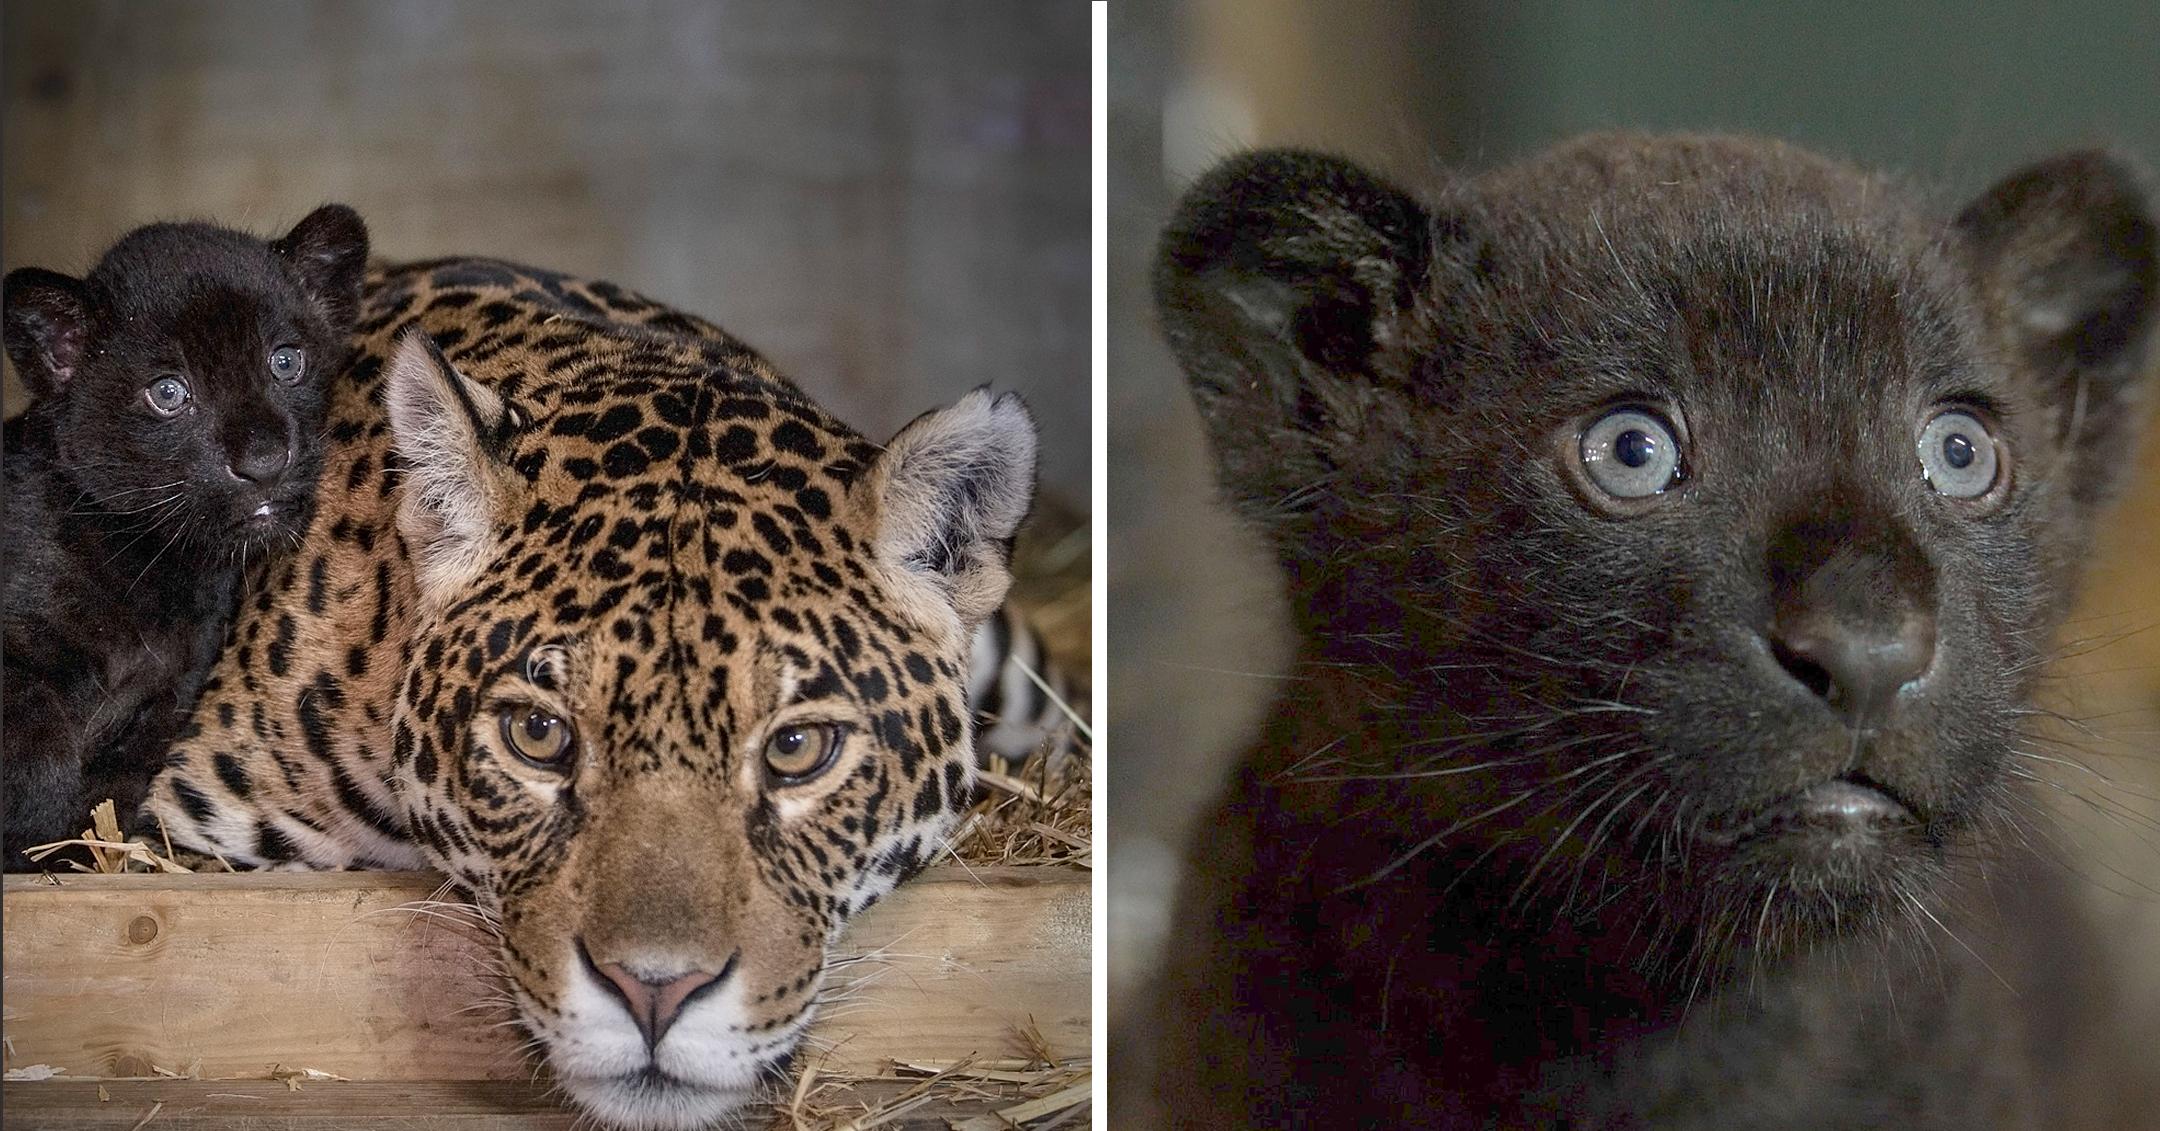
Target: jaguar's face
689, 692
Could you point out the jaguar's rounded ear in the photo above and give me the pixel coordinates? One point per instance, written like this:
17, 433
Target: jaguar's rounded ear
329, 248
2067, 257
46, 326
1287, 284
951, 490
448, 432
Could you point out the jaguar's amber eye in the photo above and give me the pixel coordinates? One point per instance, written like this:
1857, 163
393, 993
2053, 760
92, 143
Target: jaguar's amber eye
799, 753
537, 736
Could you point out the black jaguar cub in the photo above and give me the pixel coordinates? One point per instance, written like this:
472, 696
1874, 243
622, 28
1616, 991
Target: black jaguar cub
171, 443
1676, 530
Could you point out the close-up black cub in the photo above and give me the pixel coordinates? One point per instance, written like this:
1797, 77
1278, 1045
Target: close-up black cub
171, 445
1676, 529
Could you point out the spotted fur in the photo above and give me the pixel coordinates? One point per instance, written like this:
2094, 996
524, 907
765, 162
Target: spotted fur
541, 492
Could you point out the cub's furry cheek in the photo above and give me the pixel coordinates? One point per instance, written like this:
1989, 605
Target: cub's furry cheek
448, 432
2066, 258
47, 323
951, 490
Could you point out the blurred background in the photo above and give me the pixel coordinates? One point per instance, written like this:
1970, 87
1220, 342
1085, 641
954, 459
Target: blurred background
1955, 95
890, 200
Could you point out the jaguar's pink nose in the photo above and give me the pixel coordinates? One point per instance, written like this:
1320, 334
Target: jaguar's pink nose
655, 1001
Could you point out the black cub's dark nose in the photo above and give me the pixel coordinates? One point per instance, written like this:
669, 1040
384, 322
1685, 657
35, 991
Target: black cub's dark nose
1854, 617
260, 463
1857, 668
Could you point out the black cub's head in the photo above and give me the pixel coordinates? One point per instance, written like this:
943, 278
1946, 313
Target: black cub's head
186, 374
1701, 508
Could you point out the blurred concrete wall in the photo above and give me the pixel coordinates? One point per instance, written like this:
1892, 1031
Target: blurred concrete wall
1955, 94
889, 199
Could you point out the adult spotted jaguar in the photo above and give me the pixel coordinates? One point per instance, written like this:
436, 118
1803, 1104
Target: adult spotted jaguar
587, 578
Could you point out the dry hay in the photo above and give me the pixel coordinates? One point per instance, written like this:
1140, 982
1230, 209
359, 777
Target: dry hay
1036, 1090
1033, 814
1042, 811
106, 850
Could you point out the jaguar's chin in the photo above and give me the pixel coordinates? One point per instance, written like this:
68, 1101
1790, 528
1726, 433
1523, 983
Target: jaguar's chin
651, 1100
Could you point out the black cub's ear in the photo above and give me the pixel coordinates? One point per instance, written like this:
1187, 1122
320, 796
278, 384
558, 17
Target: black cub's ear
1285, 284
329, 248
2067, 254
47, 323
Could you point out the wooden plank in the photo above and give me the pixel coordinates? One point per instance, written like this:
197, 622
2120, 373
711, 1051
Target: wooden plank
468, 1105
117, 976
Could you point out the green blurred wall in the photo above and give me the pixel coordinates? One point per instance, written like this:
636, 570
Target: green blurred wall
1957, 91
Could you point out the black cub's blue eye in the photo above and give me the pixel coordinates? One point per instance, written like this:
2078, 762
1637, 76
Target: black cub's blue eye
287, 363
1634, 447
1629, 453
1959, 455
166, 395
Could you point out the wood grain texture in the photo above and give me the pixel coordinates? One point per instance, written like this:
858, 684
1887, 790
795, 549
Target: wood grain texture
225, 976
196, 1105
471, 1105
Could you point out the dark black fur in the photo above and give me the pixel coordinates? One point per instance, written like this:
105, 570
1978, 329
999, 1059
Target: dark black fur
1526, 843
128, 532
